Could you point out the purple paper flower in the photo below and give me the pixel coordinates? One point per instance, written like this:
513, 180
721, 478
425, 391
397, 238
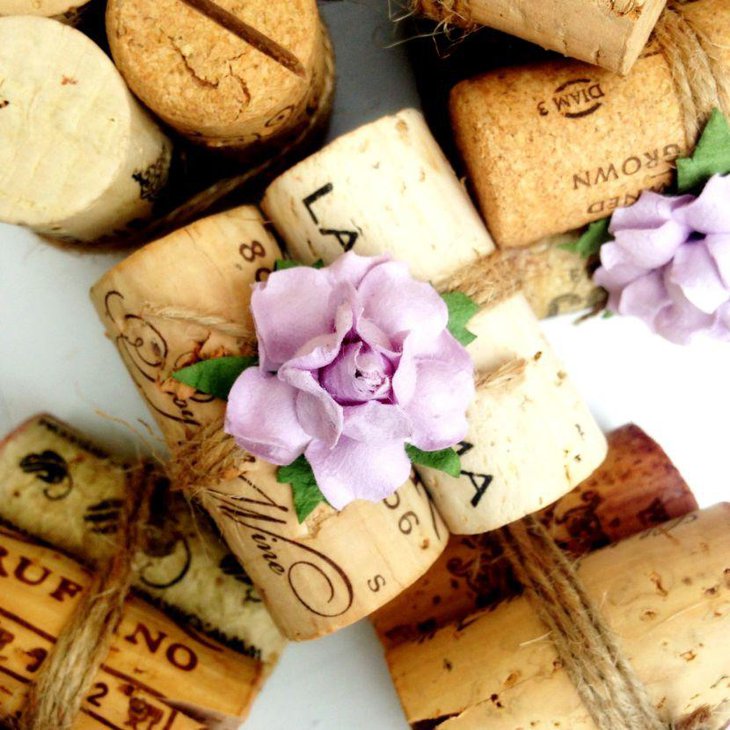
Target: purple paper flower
355, 363
670, 262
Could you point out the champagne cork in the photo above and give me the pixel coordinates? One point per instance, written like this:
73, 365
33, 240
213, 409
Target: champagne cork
315, 577
553, 146
157, 674
387, 187
58, 486
609, 34
636, 487
79, 158
66, 11
225, 74
553, 281
664, 593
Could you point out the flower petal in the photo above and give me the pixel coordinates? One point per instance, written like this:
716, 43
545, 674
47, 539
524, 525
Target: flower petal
694, 272
652, 247
435, 389
376, 422
649, 211
351, 268
398, 303
358, 470
645, 297
617, 268
291, 308
719, 247
681, 321
261, 416
710, 211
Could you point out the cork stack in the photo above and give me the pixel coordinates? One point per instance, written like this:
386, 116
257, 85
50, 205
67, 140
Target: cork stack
608, 34
199, 66
79, 158
315, 577
388, 187
583, 141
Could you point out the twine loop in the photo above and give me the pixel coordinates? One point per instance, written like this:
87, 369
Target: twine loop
67, 673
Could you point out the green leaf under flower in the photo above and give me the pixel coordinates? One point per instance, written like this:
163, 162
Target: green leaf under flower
216, 375
711, 155
461, 309
283, 264
446, 460
305, 492
591, 240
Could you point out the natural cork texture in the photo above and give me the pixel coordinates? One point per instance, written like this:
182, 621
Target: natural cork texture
315, 577
608, 33
386, 187
62, 488
157, 673
79, 157
211, 85
553, 146
66, 11
664, 593
636, 487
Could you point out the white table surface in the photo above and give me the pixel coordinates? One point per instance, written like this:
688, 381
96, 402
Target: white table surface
54, 358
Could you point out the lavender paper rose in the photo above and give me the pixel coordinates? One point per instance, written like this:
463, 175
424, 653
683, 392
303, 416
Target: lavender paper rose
670, 262
355, 362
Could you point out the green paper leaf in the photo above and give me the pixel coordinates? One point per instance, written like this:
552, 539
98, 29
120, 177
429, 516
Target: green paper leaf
710, 157
283, 264
591, 240
305, 491
446, 460
215, 376
461, 309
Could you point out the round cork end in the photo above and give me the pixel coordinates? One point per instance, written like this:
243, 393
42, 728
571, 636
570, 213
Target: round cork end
64, 122
46, 8
202, 78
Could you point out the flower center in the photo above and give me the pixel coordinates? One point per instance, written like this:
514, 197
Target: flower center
357, 374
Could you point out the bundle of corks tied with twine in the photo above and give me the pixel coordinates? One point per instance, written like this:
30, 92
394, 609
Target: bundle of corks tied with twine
77, 648
228, 95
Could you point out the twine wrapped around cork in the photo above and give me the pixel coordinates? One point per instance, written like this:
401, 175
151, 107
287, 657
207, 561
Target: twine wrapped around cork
387, 187
657, 599
583, 141
609, 33
76, 651
58, 486
317, 576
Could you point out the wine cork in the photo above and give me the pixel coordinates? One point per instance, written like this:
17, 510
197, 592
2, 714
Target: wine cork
315, 577
58, 486
609, 34
553, 146
663, 593
66, 11
201, 67
636, 487
79, 158
157, 674
553, 281
386, 187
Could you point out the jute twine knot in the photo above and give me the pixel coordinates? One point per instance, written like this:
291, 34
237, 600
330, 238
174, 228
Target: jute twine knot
67, 673
607, 684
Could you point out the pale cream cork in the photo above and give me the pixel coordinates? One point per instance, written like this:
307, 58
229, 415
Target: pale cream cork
664, 594
210, 84
608, 33
315, 577
79, 157
66, 11
554, 146
386, 187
